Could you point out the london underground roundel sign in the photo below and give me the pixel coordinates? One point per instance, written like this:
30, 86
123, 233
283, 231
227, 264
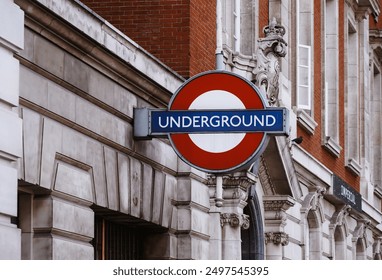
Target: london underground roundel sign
217, 122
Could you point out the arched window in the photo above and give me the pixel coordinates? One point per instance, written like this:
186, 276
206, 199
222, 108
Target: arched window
360, 240
252, 246
339, 243
313, 239
360, 249
339, 231
312, 223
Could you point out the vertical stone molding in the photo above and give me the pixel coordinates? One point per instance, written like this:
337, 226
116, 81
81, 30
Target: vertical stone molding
11, 42
275, 217
230, 215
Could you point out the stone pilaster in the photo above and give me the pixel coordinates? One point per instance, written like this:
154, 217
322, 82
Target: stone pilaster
228, 220
62, 229
11, 42
377, 248
193, 220
275, 217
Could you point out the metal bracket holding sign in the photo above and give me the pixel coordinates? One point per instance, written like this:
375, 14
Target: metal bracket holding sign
217, 122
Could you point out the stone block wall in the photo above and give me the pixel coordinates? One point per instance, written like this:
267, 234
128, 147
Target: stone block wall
11, 42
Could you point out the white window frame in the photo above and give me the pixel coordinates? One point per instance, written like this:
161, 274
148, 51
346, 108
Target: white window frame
308, 86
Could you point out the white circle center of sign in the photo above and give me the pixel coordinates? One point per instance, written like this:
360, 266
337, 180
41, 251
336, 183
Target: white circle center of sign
217, 100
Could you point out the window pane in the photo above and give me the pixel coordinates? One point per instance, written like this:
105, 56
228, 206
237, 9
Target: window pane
303, 97
303, 76
304, 55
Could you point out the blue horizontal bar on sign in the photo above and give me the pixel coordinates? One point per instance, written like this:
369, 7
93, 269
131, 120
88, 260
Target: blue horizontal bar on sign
272, 120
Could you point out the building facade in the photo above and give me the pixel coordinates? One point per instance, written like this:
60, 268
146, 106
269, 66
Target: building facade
75, 184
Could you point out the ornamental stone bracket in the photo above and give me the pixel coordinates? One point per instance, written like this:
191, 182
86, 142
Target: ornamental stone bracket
270, 50
275, 207
275, 217
277, 238
235, 190
313, 202
339, 219
360, 231
377, 248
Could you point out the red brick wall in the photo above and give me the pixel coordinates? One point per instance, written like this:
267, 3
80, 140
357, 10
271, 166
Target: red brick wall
313, 143
263, 15
203, 36
181, 33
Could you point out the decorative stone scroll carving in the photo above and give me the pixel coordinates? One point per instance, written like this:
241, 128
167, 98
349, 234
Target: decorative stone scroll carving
265, 178
270, 50
234, 220
339, 219
277, 238
360, 230
313, 202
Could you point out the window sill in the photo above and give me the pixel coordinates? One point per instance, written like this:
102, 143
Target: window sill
332, 146
354, 166
378, 191
306, 121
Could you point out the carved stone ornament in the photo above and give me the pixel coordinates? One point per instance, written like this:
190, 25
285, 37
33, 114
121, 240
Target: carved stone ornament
275, 208
339, 217
377, 248
360, 230
234, 220
277, 238
313, 201
243, 180
277, 205
269, 50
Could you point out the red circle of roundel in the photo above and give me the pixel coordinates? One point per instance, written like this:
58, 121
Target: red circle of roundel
243, 152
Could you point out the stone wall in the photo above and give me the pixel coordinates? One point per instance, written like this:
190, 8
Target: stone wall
11, 42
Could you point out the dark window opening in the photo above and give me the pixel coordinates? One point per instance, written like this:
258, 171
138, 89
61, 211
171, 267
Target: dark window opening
121, 237
252, 239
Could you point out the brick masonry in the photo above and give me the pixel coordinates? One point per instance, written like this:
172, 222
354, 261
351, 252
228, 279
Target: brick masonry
180, 33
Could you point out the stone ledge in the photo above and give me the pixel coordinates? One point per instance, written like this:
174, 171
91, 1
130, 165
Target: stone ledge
306, 121
354, 166
332, 146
